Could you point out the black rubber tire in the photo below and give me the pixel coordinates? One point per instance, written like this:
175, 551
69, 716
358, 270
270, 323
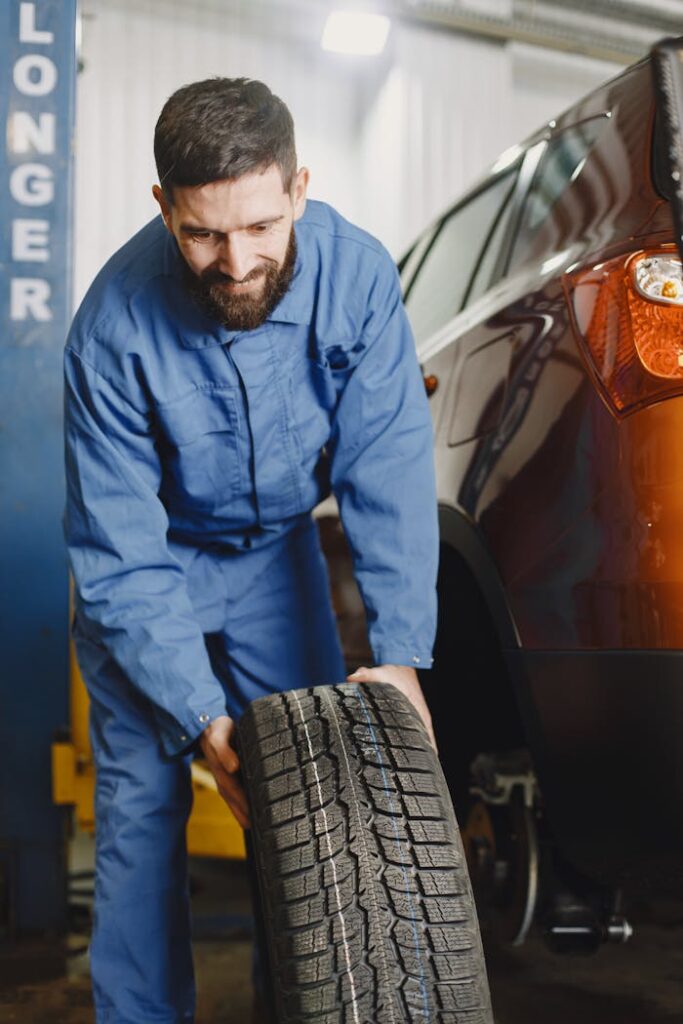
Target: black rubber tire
365, 899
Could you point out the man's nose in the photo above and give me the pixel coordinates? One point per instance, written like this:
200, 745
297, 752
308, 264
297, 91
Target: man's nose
236, 259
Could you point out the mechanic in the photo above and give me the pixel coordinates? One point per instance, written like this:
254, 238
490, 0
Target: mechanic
239, 358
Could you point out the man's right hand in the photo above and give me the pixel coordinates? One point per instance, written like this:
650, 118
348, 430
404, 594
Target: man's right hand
216, 744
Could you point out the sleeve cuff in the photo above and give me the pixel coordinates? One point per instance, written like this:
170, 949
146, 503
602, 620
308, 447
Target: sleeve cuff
179, 735
411, 656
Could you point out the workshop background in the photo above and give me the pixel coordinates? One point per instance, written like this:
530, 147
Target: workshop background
390, 139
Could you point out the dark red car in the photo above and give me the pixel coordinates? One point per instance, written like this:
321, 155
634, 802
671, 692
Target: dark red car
547, 306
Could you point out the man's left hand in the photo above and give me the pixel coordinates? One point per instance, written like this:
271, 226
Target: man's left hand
404, 678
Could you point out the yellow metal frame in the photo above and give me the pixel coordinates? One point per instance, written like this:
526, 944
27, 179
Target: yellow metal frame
212, 830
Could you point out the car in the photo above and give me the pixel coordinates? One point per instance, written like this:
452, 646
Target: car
547, 308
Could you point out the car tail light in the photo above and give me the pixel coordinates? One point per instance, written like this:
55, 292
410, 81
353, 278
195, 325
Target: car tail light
628, 317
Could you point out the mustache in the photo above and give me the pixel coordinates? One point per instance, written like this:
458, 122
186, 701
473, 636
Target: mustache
212, 275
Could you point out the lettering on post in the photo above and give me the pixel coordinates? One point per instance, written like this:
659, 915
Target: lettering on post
32, 137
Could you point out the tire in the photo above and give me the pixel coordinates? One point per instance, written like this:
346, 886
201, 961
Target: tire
364, 896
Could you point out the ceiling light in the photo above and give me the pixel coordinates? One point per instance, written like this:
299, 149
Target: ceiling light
355, 32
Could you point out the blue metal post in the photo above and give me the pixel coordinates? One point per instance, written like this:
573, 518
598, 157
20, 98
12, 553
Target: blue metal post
37, 76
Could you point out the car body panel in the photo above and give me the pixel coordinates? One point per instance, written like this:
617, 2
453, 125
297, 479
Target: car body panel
569, 516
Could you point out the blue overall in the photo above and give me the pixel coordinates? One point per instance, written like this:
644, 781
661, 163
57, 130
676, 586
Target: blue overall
194, 457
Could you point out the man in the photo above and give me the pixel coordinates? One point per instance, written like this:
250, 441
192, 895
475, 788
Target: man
236, 359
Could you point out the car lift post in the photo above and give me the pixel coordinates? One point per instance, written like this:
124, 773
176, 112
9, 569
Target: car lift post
38, 62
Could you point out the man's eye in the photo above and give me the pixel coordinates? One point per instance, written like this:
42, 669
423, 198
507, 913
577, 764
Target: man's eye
200, 236
260, 229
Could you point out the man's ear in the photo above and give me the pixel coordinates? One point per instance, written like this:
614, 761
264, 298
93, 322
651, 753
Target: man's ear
299, 192
164, 205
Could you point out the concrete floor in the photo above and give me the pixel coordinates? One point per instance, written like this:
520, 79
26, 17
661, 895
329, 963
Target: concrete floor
639, 983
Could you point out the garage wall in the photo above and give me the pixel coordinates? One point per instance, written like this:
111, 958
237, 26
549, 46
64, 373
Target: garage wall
390, 142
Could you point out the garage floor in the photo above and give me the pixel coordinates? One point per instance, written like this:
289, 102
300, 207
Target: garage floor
639, 983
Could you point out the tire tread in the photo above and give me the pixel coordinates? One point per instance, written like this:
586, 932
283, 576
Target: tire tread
364, 889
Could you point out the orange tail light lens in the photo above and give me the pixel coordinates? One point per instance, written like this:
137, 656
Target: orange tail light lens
628, 318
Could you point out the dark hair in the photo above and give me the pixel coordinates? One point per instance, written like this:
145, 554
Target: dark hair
222, 128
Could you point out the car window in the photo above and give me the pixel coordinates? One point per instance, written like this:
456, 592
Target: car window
489, 270
560, 165
413, 258
439, 288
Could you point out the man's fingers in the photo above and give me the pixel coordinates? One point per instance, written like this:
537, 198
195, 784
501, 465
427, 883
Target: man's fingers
227, 758
231, 789
366, 675
216, 743
239, 809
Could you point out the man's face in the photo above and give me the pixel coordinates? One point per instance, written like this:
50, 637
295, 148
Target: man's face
237, 239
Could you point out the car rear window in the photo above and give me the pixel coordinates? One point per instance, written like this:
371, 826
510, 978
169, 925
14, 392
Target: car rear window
559, 167
440, 286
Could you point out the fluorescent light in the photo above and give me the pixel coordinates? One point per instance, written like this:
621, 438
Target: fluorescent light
356, 32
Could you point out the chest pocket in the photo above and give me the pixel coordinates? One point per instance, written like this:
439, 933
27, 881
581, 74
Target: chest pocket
200, 448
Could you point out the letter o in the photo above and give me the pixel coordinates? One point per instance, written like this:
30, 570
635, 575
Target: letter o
47, 75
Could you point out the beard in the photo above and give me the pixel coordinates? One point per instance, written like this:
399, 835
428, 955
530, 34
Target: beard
243, 312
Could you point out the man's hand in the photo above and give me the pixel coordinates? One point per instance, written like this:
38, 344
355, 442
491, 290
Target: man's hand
216, 744
404, 679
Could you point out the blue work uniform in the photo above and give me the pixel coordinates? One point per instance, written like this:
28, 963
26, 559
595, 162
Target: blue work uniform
194, 456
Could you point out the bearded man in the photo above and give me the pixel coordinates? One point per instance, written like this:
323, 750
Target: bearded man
239, 358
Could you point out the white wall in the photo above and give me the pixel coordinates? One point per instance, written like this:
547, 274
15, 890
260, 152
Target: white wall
390, 143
